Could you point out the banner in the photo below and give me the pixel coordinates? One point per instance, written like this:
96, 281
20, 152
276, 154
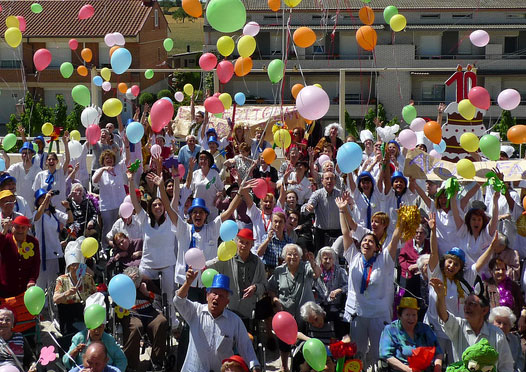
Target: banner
420, 165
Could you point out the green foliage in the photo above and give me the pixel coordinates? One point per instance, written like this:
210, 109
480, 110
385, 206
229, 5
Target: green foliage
164, 93
351, 126
372, 114
181, 15
146, 98
392, 122
73, 119
209, 81
505, 123
180, 79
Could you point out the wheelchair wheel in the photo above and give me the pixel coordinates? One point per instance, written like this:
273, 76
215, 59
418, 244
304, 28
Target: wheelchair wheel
170, 362
52, 308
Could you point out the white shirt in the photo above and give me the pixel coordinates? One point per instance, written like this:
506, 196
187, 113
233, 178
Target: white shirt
24, 181
50, 226
446, 228
391, 205
59, 184
158, 248
474, 248
206, 188
23, 208
302, 189
132, 231
260, 225
82, 174
111, 188
360, 201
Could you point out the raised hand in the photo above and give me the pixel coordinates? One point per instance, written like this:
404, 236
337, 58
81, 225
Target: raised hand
441, 107
191, 275
341, 202
152, 177
438, 286
432, 221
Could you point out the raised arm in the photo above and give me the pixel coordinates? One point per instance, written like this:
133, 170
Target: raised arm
427, 200
182, 292
43, 207
133, 195
434, 256
440, 290
385, 171
65, 140
494, 214
190, 173
158, 181
341, 203
470, 194
456, 214
243, 189
488, 253
393, 244
441, 107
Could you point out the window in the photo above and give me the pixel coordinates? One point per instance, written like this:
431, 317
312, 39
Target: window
318, 49
158, 54
462, 16
516, 16
429, 16
433, 93
316, 17
272, 17
156, 18
511, 44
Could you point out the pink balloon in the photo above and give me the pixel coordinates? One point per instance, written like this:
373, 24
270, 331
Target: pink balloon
181, 170
179, 96
434, 154
21, 23
417, 125
156, 150
479, 38
127, 199
119, 39
214, 105
135, 90
161, 113
73, 44
479, 97
195, 257
322, 159
509, 99
407, 138
251, 28
93, 133
285, 327
216, 94
225, 71
106, 86
208, 61
86, 11
42, 59
126, 210
8, 368
261, 189
109, 40
312, 102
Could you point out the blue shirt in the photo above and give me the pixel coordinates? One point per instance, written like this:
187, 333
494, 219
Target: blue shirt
275, 246
185, 155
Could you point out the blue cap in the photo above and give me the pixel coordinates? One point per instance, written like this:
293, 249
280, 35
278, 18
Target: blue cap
220, 281
41, 138
396, 143
213, 139
198, 203
365, 174
398, 174
27, 146
459, 253
38, 194
6, 177
211, 130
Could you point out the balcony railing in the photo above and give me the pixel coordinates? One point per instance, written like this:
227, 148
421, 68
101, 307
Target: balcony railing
472, 56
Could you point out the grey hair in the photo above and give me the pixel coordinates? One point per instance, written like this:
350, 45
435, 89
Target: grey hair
503, 239
330, 126
10, 313
502, 311
76, 186
190, 136
424, 226
325, 250
291, 245
421, 261
133, 272
310, 307
330, 162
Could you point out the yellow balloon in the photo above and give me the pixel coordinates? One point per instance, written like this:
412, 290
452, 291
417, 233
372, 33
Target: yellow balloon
225, 45
469, 142
226, 250
282, 138
89, 247
246, 46
13, 37
318, 85
292, 3
75, 135
465, 168
105, 73
226, 99
47, 129
466, 109
188, 89
112, 107
397, 22
12, 21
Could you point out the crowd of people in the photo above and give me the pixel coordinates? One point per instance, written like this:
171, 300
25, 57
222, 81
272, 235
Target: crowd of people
319, 244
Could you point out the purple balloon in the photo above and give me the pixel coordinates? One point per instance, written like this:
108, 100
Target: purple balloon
417, 125
312, 102
179, 96
126, 210
509, 99
433, 153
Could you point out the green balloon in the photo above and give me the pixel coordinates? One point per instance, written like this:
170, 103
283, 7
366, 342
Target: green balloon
389, 12
66, 69
34, 299
275, 70
409, 113
94, 316
208, 276
168, 44
148, 74
226, 15
490, 147
81, 95
315, 354
9, 141
36, 8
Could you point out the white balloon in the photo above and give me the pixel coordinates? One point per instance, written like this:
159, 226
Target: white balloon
251, 28
106, 86
109, 40
90, 115
130, 95
119, 39
417, 125
179, 96
75, 149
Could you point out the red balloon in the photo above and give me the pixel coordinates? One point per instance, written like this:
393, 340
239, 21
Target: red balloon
73, 44
161, 113
214, 105
93, 133
216, 94
285, 327
42, 59
479, 97
208, 61
86, 11
135, 90
261, 189
225, 71
21, 23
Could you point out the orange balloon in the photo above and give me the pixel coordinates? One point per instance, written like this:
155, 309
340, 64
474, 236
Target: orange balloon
517, 134
82, 70
274, 5
122, 88
366, 37
366, 15
113, 49
193, 8
304, 37
269, 155
524, 203
296, 89
433, 131
86, 54
243, 66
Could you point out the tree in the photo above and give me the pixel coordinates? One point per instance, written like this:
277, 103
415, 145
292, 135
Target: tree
146, 97
164, 93
351, 126
73, 119
372, 114
505, 123
180, 15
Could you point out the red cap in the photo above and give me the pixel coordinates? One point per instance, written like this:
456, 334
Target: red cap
237, 358
22, 221
246, 234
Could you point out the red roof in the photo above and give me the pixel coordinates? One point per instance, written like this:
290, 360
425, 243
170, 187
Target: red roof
59, 18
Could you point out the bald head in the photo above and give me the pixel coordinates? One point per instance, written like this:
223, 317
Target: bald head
96, 357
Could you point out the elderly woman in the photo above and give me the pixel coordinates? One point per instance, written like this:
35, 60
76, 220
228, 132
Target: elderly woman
405, 334
409, 254
271, 250
503, 317
85, 215
290, 286
15, 345
509, 256
206, 182
126, 252
333, 132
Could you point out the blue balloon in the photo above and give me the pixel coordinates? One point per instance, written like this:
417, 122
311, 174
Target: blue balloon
97, 80
240, 98
2, 165
228, 230
121, 60
134, 132
349, 157
441, 147
168, 99
122, 291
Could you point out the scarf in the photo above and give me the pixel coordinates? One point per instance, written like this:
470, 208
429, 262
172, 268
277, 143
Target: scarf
327, 275
50, 180
369, 210
505, 293
367, 270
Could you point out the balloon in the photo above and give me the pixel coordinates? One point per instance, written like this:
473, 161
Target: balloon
312, 102
274, 5
389, 12
398, 22
94, 316
466, 109
75, 149
433, 131
97, 80
318, 85
86, 54
47, 129
168, 44
226, 250
119, 39
517, 134
315, 354
126, 209
13, 37
409, 113
195, 257
479, 97
269, 155
113, 49
225, 45
296, 89
112, 107
322, 159
207, 277
207, 61
285, 327
226, 15
469, 142
349, 157
441, 147
282, 138
407, 138
243, 66
214, 105
226, 99
292, 3
134, 132
304, 37
86, 11
90, 115
240, 98
89, 247
246, 46
93, 133
9, 141
36, 8
228, 230
120, 60
366, 37
188, 89
34, 299
135, 90
509, 99
81, 95
261, 188
479, 38
105, 73
435, 154
106, 86
122, 87
156, 150
251, 28
275, 70
82, 70
12, 21
366, 15
179, 96
490, 147
465, 168
129, 94
75, 135
193, 8
225, 70
417, 125
122, 289
21, 23
73, 44
9, 368
161, 113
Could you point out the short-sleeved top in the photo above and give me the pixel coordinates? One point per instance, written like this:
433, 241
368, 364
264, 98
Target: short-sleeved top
362, 203
24, 181
58, 184
206, 187
111, 188
474, 248
50, 226
86, 289
158, 246
446, 228
391, 205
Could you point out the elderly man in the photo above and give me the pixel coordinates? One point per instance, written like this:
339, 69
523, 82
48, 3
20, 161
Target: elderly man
7, 206
466, 332
14, 350
187, 152
95, 360
215, 332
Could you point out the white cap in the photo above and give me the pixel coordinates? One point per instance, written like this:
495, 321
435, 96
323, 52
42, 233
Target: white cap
73, 254
366, 135
496, 134
509, 150
387, 133
420, 138
96, 298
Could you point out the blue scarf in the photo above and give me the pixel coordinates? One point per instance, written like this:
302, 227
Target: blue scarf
369, 210
44, 239
50, 180
366, 275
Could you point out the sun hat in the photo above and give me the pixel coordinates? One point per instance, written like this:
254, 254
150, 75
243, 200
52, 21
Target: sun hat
198, 203
220, 281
